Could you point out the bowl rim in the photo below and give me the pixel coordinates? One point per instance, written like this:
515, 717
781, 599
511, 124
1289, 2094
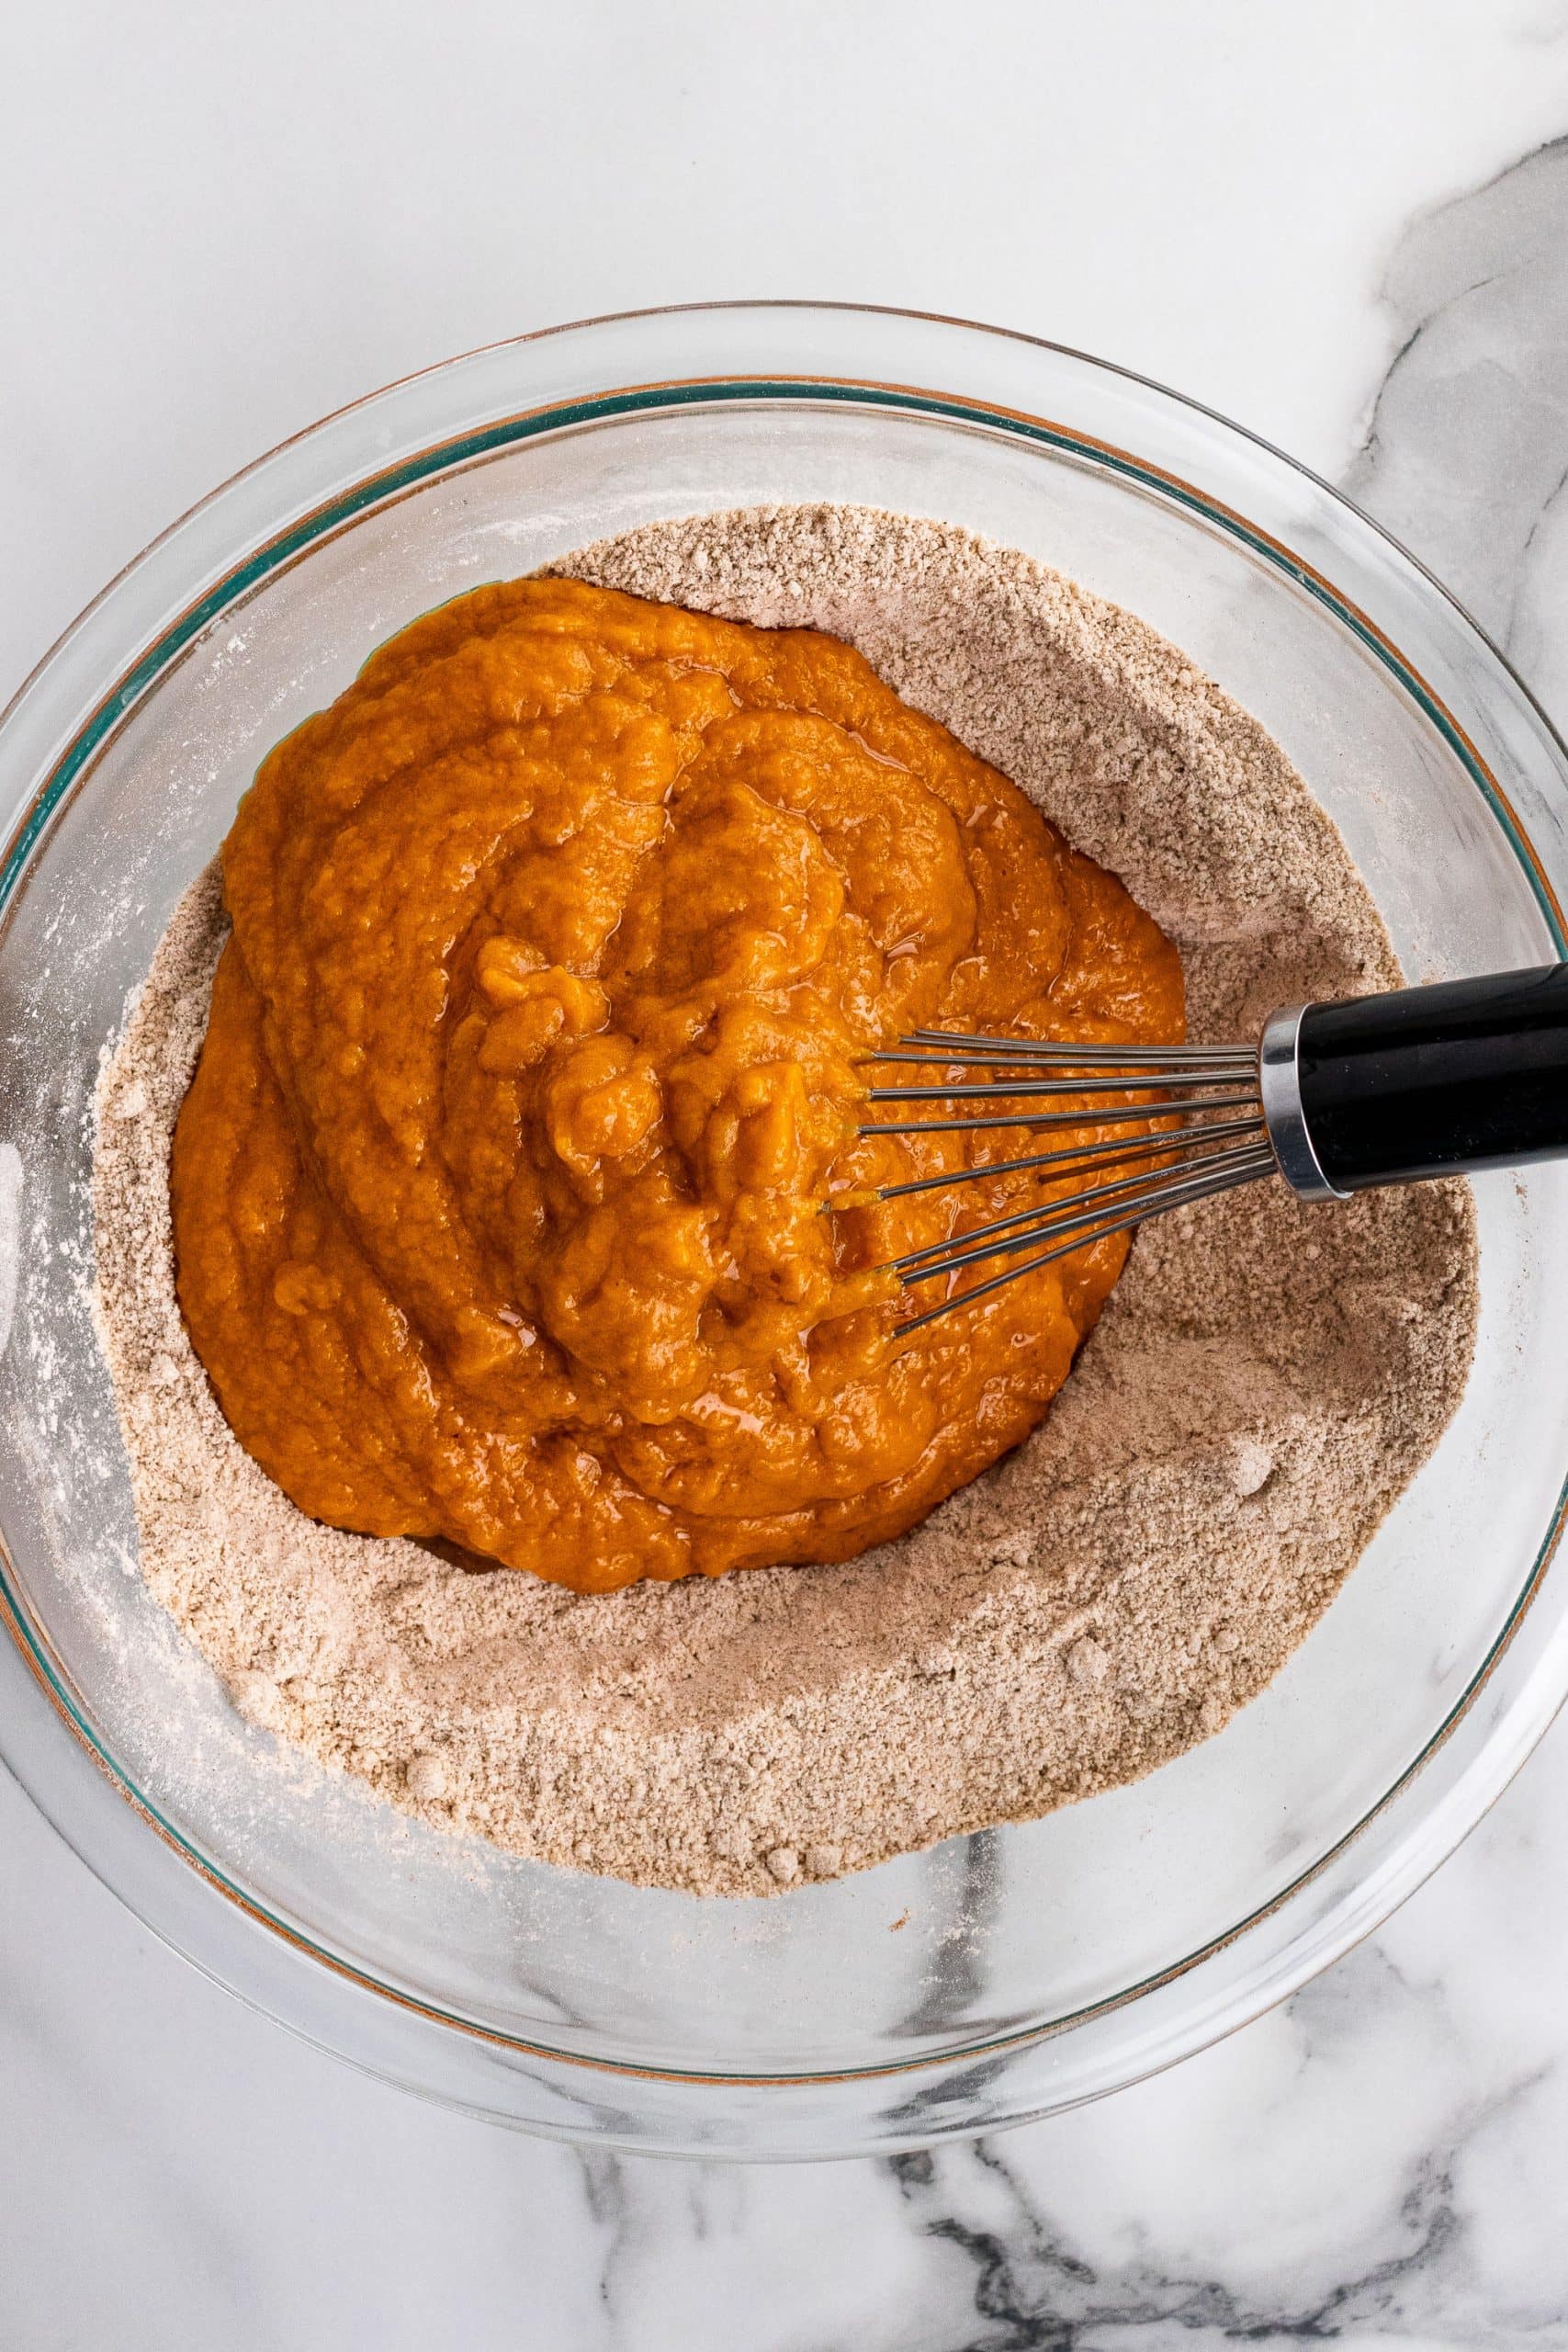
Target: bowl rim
379, 487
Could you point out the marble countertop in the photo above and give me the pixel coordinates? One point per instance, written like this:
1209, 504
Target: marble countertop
1346, 225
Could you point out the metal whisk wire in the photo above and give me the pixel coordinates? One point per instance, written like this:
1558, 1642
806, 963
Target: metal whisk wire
1336, 1098
1172, 1196
1188, 1163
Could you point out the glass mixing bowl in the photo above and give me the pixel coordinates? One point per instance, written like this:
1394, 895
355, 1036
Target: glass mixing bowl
998, 1976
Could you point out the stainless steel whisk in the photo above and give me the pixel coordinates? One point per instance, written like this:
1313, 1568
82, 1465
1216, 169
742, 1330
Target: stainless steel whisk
1336, 1098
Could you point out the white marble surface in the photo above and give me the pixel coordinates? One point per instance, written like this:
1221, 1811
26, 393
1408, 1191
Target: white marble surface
1346, 225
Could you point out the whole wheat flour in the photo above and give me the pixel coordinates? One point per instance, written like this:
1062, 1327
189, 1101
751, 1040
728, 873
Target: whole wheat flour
1263, 1384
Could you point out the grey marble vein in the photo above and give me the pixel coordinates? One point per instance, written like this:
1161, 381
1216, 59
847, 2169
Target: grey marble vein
1466, 455
1033, 2287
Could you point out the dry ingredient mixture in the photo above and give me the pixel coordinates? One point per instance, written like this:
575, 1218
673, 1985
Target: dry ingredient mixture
558, 946
1262, 1385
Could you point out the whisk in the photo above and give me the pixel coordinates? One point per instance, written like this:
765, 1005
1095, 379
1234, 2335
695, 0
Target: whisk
1336, 1098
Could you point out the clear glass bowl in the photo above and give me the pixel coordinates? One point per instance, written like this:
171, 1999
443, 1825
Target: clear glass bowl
1032, 1967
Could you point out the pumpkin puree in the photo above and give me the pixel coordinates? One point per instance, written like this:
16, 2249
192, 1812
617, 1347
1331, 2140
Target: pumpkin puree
560, 943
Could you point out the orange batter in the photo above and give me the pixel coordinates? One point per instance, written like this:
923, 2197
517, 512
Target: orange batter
560, 943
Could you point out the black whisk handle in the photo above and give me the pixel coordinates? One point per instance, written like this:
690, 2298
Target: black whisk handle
1431, 1081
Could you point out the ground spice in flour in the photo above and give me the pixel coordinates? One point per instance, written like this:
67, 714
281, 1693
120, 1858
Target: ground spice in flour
1263, 1384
